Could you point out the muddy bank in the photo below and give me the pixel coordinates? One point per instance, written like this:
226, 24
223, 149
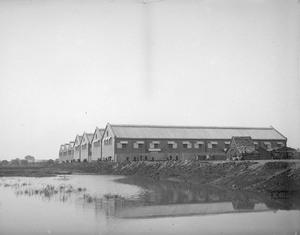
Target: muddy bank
244, 175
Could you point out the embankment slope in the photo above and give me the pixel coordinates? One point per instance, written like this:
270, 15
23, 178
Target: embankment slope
244, 175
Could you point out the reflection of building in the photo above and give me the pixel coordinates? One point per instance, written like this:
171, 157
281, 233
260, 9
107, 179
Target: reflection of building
184, 210
133, 142
243, 205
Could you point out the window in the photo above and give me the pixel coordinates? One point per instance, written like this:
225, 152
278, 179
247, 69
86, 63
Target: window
138, 144
198, 144
154, 145
268, 145
213, 144
186, 145
280, 144
172, 145
122, 144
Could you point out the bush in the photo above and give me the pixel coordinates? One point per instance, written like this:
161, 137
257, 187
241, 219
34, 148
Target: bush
4, 163
15, 162
24, 162
50, 162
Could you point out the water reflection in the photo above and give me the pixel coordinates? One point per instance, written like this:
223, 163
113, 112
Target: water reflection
93, 204
157, 198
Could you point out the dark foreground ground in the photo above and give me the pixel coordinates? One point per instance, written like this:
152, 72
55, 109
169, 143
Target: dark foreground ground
281, 175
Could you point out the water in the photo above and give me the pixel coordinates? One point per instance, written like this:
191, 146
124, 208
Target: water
81, 204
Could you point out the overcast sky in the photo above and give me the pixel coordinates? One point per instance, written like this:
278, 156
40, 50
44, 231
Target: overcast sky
69, 66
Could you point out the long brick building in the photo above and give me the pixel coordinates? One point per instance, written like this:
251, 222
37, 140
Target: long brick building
145, 142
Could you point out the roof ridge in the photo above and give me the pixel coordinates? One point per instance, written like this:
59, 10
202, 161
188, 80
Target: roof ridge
191, 127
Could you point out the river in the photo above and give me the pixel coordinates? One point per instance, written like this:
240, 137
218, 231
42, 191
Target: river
93, 204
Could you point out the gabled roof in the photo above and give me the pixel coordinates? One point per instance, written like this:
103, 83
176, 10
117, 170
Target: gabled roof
79, 137
87, 136
100, 131
71, 144
61, 148
66, 147
191, 132
90, 137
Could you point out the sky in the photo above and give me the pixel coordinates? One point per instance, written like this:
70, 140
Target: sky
67, 66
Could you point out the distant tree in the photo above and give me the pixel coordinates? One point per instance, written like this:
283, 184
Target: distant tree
50, 162
15, 161
30, 158
4, 162
24, 162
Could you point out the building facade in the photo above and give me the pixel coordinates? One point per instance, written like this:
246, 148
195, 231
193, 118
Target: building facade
77, 148
138, 142
86, 149
96, 144
70, 153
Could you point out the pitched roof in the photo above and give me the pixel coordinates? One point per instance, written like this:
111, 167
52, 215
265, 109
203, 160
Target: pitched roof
190, 132
90, 137
79, 138
71, 144
61, 148
100, 131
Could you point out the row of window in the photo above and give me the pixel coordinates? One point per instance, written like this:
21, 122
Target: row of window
171, 144
107, 141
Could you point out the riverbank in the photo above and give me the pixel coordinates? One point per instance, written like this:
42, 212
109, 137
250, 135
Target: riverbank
244, 175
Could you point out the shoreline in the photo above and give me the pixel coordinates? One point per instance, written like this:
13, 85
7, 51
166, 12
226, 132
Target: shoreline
256, 176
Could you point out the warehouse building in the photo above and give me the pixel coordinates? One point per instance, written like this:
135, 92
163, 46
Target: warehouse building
145, 142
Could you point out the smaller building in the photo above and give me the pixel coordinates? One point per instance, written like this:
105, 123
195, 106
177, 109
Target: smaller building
241, 147
70, 154
283, 153
77, 148
61, 150
96, 144
86, 149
